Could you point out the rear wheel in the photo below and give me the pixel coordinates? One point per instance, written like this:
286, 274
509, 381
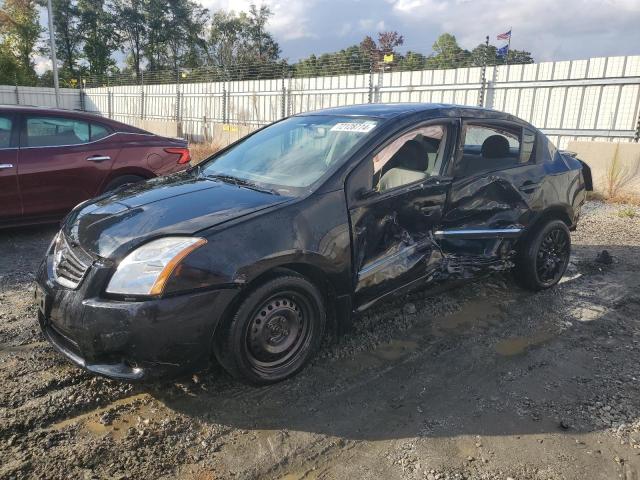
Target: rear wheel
275, 331
123, 180
544, 257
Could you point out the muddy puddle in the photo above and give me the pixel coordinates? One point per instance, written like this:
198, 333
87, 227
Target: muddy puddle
475, 313
510, 347
116, 418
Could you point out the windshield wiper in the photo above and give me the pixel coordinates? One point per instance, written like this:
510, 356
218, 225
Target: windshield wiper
241, 182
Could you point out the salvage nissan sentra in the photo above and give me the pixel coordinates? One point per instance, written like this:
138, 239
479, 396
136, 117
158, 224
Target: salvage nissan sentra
252, 255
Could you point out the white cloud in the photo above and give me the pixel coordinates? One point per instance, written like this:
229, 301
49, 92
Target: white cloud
290, 20
41, 64
550, 29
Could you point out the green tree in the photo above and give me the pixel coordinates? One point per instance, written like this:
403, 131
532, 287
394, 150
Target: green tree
66, 17
184, 23
100, 39
448, 54
519, 56
264, 47
413, 61
9, 68
132, 29
489, 54
175, 34
19, 33
226, 37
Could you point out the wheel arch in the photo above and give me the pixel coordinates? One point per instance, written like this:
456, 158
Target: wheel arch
554, 212
121, 172
311, 271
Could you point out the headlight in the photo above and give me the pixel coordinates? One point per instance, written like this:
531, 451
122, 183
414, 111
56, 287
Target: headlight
145, 271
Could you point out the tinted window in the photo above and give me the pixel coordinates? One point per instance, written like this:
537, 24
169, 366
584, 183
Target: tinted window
56, 131
5, 132
411, 157
488, 148
98, 132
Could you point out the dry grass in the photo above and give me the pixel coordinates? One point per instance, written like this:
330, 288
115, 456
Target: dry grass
624, 198
201, 151
618, 177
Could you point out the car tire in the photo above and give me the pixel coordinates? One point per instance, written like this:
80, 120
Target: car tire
276, 329
123, 180
543, 257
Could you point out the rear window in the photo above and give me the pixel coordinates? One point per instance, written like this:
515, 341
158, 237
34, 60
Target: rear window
490, 147
56, 131
98, 132
5, 132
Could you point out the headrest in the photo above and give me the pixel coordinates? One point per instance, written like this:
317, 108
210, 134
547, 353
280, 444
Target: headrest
495, 146
411, 156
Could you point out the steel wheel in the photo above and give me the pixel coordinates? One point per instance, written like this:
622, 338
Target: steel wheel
278, 331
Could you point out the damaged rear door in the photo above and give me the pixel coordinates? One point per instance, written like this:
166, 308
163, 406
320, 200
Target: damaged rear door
495, 191
396, 199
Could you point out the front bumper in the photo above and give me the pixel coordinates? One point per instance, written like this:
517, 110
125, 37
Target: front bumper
128, 340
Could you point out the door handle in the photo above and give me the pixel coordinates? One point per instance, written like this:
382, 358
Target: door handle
99, 158
4, 166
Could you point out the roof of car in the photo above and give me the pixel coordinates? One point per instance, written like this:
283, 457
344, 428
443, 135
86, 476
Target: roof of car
391, 110
76, 113
35, 108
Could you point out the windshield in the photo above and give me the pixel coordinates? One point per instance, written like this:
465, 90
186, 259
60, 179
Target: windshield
290, 156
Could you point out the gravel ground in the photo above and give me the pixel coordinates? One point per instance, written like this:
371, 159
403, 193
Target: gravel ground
485, 381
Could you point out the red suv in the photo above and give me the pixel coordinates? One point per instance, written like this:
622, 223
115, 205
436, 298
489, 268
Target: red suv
51, 160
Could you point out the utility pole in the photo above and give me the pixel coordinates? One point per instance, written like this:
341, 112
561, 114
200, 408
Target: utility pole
506, 58
483, 74
54, 61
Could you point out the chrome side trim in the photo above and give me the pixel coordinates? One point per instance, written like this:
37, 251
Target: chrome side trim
383, 262
72, 145
93, 141
4, 166
479, 233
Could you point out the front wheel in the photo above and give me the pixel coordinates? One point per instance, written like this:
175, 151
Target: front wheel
544, 257
275, 331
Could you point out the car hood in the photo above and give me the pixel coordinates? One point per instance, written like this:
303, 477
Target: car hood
111, 225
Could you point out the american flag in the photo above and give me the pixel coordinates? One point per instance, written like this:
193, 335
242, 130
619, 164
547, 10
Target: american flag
505, 36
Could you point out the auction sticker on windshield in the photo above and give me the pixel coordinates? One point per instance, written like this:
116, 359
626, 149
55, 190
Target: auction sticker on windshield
364, 127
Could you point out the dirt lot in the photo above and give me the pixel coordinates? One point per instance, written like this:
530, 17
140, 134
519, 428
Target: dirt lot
485, 381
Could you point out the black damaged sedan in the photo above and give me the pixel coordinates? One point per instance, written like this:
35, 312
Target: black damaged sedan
254, 254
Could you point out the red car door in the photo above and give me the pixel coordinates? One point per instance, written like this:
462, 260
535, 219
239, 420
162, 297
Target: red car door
10, 205
63, 161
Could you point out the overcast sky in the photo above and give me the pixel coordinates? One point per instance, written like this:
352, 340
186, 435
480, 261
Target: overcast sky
550, 29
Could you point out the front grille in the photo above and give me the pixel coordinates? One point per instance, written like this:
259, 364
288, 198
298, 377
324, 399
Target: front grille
70, 264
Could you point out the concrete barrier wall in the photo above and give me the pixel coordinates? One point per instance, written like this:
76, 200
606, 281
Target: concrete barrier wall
166, 128
611, 163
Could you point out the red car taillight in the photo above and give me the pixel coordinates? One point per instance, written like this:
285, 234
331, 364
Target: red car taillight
185, 156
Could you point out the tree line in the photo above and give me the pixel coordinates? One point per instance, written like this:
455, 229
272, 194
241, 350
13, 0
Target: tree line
157, 36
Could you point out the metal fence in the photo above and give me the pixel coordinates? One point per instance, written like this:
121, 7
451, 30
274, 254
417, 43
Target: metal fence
39, 97
595, 99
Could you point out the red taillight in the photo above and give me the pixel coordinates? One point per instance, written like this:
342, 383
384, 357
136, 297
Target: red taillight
185, 156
